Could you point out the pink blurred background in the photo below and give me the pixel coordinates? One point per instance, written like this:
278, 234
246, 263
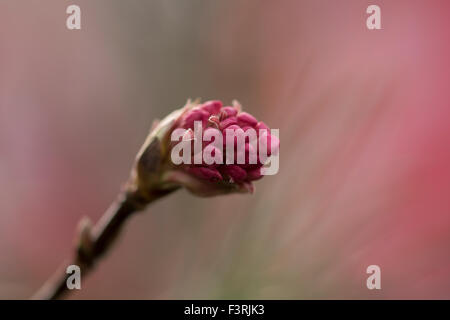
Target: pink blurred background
364, 124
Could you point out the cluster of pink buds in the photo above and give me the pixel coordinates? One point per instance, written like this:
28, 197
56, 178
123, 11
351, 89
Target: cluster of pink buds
246, 160
212, 166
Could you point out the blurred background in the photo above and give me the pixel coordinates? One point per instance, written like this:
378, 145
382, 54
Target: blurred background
364, 165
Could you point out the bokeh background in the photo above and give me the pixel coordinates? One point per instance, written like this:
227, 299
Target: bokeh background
364, 124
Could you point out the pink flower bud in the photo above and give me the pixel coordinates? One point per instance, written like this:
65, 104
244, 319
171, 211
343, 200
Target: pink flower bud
210, 155
227, 112
212, 107
235, 172
210, 134
210, 174
261, 125
251, 154
246, 119
254, 174
194, 115
227, 122
233, 127
155, 172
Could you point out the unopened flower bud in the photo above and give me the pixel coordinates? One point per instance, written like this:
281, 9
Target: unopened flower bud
155, 172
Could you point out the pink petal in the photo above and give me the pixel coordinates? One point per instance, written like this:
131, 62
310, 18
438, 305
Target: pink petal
235, 172
233, 127
254, 174
232, 131
227, 112
261, 125
212, 107
250, 152
227, 122
194, 115
210, 174
209, 135
246, 119
213, 151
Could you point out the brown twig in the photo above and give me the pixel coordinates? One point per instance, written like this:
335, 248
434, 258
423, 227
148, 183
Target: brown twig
93, 243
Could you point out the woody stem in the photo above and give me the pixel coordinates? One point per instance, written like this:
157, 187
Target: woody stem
93, 244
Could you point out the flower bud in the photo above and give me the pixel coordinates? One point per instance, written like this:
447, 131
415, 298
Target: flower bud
154, 171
